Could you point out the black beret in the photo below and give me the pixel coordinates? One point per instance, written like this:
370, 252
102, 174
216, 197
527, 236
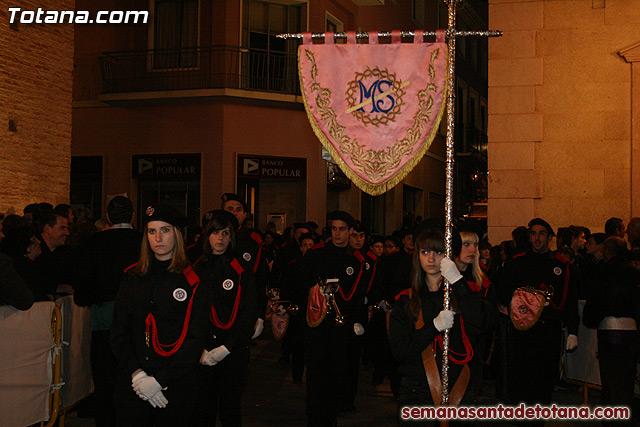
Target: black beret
542, 222
220, 213
342, 216
166, 213
297, 225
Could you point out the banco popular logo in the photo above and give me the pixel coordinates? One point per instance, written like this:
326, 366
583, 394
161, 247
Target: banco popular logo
375, 96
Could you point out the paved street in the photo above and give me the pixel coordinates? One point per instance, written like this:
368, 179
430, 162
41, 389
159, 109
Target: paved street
271, 398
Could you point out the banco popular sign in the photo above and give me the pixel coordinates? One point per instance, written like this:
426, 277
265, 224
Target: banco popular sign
266, 167
167, 165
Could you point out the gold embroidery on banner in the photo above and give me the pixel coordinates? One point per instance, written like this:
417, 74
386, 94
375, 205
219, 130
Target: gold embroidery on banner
376, 164
396, 89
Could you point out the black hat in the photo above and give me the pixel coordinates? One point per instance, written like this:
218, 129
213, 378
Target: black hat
298, 225
542, 222
233, 196
342, 216
210, 216
166, 213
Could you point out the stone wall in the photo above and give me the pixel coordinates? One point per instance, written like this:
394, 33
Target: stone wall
36, 64
560, 115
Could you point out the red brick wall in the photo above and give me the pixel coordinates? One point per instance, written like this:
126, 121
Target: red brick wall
36, 65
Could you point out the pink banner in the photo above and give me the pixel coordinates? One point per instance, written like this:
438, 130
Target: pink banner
375, 108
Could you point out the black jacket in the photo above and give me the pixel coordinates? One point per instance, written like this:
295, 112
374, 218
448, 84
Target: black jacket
544, 271
232, 287
615, 293
249, 248
13, 290
104, 259
407, 343
327, 261
158, 293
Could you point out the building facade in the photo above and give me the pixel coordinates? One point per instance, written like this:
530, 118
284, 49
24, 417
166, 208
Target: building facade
564, 113
204, 99
36, 64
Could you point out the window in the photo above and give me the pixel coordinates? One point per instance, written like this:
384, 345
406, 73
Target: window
175, 33
271, 63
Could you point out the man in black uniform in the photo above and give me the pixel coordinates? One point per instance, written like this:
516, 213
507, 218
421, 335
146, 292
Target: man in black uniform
536, 351
106, 256
327, 342
249, 246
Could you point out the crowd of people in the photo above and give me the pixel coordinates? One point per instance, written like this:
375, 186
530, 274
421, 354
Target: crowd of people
173, 314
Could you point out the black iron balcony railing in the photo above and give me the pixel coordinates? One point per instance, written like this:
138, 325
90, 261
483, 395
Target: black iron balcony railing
211, 67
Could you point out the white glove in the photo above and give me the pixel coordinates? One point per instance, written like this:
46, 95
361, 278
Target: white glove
449, 270
258, 328
384, 304
210, 358
444, 320
572, 342
358, 329
147, 387
158, 401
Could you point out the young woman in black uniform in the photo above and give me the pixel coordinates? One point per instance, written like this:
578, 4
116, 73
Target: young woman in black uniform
418, 319
232, 313
159, 327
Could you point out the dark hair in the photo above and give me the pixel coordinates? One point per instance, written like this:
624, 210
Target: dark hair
431, 239
305, 236
12, 221
49, 218
376, 239
218, 222
599, 238
484, 245
358, 227
616, 246
63, 209
17, 238
120, 210
520, 236
612, 226
393, 239
568, 234
344, 217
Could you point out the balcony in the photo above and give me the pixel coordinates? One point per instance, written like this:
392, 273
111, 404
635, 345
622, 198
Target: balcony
211, 67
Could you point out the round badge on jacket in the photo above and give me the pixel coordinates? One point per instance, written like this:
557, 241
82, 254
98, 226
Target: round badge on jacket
227, 285
246, 256
180, 294
367, 264
349, 270
557, 271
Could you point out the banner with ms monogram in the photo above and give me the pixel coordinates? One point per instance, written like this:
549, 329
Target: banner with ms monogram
375, 107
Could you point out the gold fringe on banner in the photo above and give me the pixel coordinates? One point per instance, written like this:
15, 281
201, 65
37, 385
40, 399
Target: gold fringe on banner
373, 189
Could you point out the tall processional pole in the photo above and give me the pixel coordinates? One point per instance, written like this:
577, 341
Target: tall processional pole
451, 35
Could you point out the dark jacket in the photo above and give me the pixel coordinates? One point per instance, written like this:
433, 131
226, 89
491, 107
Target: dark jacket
249, 248
544, 271
13, 290
105, 257
327, 261
407, 343
232, 287
615, 293
155, 293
